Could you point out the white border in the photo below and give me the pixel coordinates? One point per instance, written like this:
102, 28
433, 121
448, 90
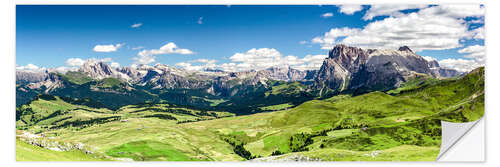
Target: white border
7, 85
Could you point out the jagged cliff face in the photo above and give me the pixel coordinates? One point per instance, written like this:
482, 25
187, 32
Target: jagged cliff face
352, 68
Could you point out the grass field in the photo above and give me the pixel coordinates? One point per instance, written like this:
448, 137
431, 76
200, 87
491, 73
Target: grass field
28, 152
375, 126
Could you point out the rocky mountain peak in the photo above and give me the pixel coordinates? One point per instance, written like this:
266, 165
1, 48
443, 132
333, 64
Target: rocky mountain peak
433, 64
343, 51
100, 70
96, 69
405, 48
352, 68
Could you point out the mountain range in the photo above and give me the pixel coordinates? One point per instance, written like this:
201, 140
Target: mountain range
361, 105
346, 70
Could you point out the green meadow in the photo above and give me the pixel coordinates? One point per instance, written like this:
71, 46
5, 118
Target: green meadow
398, 125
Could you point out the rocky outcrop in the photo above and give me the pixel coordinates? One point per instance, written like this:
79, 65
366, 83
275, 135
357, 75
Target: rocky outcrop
448, 73
101, 70
355, 69
283, 74
51, 82
442, 72
30, 76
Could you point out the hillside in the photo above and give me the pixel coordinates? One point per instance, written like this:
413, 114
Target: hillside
400, 125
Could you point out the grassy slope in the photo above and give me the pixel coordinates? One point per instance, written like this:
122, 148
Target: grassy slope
402, 127
135, 126
28, 152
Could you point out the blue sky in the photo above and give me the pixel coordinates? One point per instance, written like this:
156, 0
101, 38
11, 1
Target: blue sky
47, 36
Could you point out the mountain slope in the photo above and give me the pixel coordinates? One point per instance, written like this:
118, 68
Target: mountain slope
342, 127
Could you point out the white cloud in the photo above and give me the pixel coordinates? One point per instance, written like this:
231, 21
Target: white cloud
428, 58
107, 48
200, 20
144, 59
303, 42
428, 29
136, 25
456, 11
64, 69
388, 10
257, 59
329, 39
169, 48
350, 9
29, 67
309, 62
461, 65
205, 64
137, 48
476, 52
206, 61
189, 66
106, 60
327, 15
147, 56
115, 64
75, 62
478, 33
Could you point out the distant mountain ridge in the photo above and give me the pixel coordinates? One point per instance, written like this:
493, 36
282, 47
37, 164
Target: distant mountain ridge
346, 69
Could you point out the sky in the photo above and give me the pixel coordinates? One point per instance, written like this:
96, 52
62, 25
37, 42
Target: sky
241, 37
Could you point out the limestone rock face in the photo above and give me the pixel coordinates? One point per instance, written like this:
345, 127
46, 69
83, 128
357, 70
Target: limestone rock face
352, 68
101, 70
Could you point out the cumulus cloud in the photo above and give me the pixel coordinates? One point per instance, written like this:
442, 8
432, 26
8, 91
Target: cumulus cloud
64, 69
29, 67
75, 62
202, 64
388, 10
476, 52
207, 61
350, 9
144, 59
136, 25
107, 48
461, 65
329, 39
257, 59
327, 15
430, 28
169, 48
147, 56
115, 64
478, 33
